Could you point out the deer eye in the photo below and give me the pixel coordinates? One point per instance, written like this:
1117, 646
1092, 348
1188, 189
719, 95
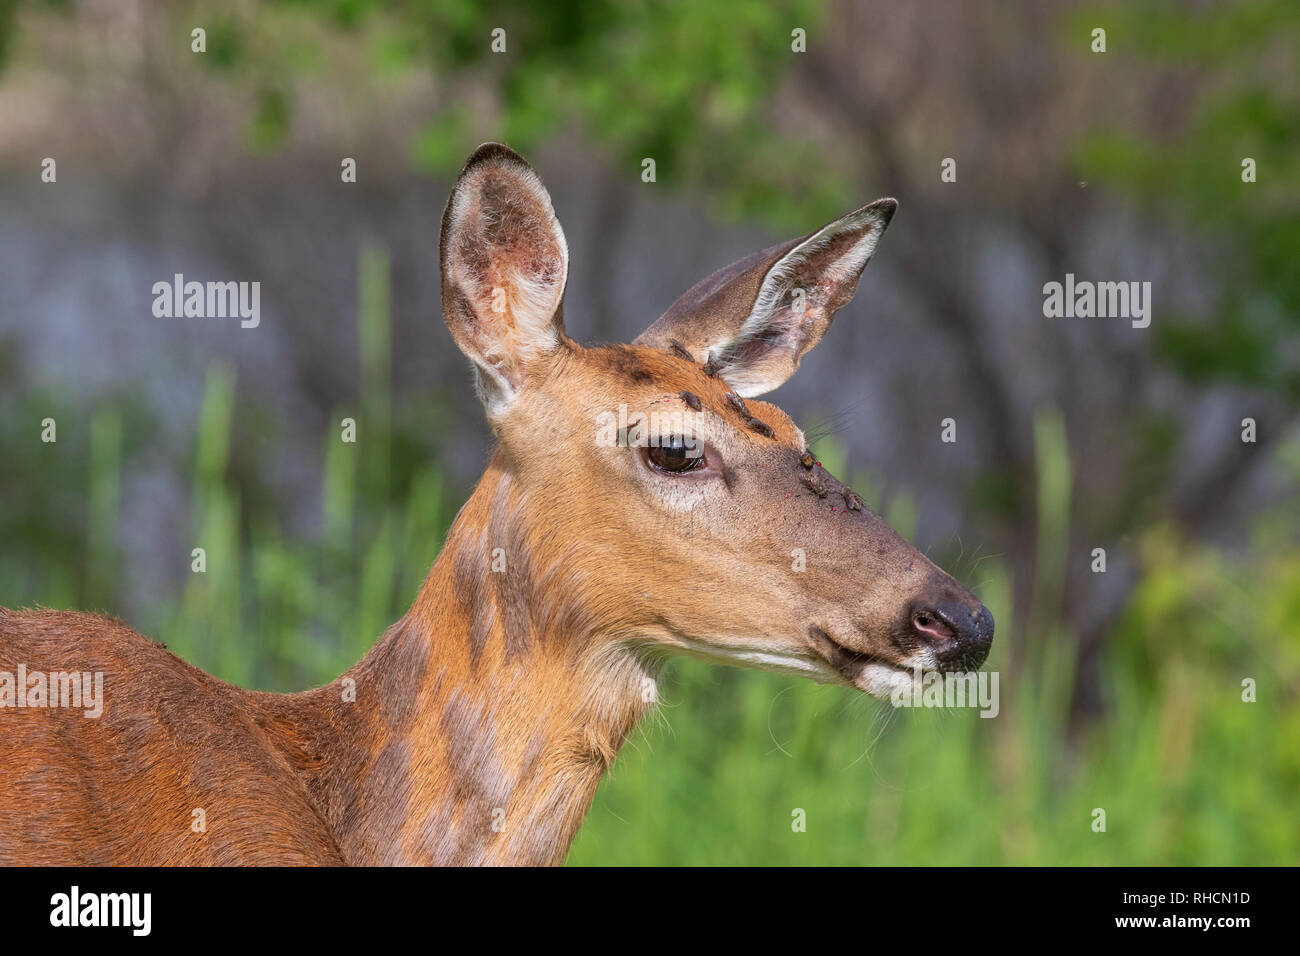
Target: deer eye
676, 455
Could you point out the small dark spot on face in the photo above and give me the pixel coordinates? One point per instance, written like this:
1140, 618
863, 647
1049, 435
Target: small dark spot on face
807, 460
691, 399
762, 428
623, 360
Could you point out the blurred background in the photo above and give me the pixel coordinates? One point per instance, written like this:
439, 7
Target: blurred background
1121, 690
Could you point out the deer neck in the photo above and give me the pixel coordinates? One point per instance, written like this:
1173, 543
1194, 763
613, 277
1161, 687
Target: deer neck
484, 719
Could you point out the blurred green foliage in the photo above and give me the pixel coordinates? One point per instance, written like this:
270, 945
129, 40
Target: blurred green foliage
1241, 57
686, 83
57, 523
8, 11
279, 613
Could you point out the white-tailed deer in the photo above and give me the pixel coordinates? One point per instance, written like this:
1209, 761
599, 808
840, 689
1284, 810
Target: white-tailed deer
636, 505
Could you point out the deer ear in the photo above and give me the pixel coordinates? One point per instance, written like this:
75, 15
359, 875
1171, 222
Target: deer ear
504, 266
754, 319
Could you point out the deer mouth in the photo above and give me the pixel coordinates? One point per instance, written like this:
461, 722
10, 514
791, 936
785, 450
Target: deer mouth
867, 672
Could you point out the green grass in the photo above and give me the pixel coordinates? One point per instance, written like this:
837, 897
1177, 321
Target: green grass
1185, 771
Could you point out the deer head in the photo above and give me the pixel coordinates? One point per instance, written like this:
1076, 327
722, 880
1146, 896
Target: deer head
648, 502
640, 501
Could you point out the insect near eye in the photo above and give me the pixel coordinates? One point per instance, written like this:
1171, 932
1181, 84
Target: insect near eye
676, 455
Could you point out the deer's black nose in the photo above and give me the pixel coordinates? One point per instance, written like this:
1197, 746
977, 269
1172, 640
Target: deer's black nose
958, 634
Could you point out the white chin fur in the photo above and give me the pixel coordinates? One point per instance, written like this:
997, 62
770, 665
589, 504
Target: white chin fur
762, 658
881, 680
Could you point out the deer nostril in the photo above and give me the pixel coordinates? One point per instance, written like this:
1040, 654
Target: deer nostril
958, 635
932, 627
